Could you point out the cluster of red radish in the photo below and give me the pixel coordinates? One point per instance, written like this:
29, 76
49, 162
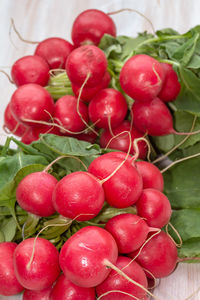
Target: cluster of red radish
32, 111
89, 259
112, 262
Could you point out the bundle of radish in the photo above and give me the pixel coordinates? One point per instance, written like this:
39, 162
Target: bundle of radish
106, 219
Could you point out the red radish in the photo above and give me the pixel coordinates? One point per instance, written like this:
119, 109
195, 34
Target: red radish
37, 295
33, 133
86, 61
124, 187
83, 256
90, 26
78, 195
121, 141
89, 92
155, 207
9, 284
122, 155
171, 85
55, 51
153, 118
129, 231
151, 175
142, 77
30, 69
32, 102
64, 289
11, 124
39, 269
34, 193
108, 107
114, 281
159, 255
66, 115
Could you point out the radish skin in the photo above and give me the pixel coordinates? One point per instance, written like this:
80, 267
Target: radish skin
79, 196
34, 193
9, 285
30, 69
86, 60
90, 26
151, 175
37, 295
154, 207
124, 188
114, 281
55, 51
64, 289
159, 256
129, 231
39, 271
83, 254
31, 102
142, 77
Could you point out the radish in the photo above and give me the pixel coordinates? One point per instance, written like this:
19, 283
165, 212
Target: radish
154, 207
79, 196
36, 263
30, 69
11, 124
151, 175
90, 26
114, 281
159, 255
55, 51
121, 141
9, 284
66, 115
124, 187
31, 102
37, 295
84, 256
142, 77
86, 61
33, 133
64, 289
108, 108
34, 193
153, 118
89, 92
171, 86
129, 231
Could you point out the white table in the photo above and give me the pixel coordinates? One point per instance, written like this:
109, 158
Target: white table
39, 19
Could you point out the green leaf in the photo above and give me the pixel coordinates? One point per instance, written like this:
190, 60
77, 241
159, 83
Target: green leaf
189, 97
129, 45
8, 229
182, 184
190, 248
166, 32
187, 223
184, 53
110, 45
61, 145
164, 143
2, 237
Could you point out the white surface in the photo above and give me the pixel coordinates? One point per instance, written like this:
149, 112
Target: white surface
39, 19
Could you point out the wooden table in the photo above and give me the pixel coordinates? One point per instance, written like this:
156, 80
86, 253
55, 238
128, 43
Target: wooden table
39, 19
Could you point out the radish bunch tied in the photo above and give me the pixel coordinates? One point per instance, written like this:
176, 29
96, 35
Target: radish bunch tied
91, 215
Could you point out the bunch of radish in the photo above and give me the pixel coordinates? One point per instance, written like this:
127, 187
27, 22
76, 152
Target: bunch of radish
106, 261
115, 260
